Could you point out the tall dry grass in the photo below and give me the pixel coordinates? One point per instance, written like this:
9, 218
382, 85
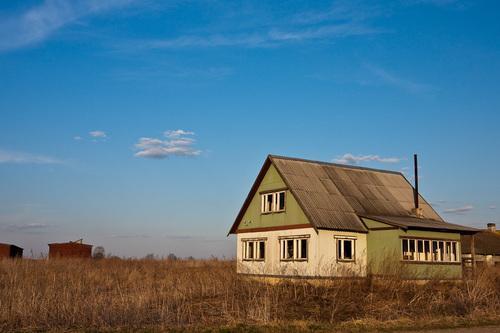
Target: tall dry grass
113, 293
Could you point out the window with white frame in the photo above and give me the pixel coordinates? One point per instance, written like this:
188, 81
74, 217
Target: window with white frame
273, 202
254, 249
294, 248
345, 248
416, 249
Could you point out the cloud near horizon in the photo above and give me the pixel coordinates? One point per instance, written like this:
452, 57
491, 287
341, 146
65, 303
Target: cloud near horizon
459, 210
26, 158
29, 228
357, 159
175, 143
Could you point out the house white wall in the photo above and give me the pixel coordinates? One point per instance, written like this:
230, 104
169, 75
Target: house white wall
322, 254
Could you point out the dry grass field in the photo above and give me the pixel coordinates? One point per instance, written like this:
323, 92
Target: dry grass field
157, 295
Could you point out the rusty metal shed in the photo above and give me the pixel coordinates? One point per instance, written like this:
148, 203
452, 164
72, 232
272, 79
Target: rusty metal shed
10, 251
76, 249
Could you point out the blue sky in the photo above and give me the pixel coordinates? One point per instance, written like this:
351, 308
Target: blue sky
141, 125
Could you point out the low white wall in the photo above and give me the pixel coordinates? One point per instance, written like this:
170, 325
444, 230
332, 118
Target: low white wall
322, 257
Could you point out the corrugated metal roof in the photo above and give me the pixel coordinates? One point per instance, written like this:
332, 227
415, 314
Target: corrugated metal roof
359, 191
333, 196
406, 222
485, 242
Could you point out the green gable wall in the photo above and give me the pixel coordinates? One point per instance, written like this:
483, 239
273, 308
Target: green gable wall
292, 215
384, 253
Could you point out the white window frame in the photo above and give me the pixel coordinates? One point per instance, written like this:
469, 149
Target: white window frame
296, 243
340, 240
272, 206
251, 250
430, 250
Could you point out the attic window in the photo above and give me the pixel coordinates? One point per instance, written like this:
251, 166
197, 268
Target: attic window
254, 249
273, 202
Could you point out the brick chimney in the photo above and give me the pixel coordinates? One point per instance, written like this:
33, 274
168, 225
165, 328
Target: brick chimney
492, 227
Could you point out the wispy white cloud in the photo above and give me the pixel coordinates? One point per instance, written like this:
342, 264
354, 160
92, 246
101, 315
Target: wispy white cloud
391, 79
161, 70
357, 159
340, 10
26, 158
459, 210
432, 2
175, 143
343, 19
492, 207
40, 22
28, 226
77, 138
270, 38
98, 134
177, 133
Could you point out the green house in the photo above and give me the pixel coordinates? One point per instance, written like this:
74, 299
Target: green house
316, 219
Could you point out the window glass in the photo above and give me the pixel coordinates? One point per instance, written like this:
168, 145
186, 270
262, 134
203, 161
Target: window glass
281, 201
348, 249
303, 248
294, 248
448, 251
289, 249
412, 249
345, 249
427, 250
269, 203
262, 250
273, 202
430, 250
406, 255
250, 250
435, 250
254, 249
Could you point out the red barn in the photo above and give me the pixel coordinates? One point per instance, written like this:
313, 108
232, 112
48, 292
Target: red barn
74, 249
10, 251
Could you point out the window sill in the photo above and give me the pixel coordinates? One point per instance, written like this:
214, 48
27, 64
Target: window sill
431, 262
252, 260
293, 260
276, 212
346, 260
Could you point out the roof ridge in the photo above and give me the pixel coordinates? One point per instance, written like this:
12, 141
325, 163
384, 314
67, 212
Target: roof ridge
334, 164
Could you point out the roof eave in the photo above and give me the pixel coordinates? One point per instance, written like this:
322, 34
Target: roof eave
253, 189
449, 230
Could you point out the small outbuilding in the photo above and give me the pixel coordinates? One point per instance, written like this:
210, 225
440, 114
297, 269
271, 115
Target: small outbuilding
10, 251
486, 247
75, 249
